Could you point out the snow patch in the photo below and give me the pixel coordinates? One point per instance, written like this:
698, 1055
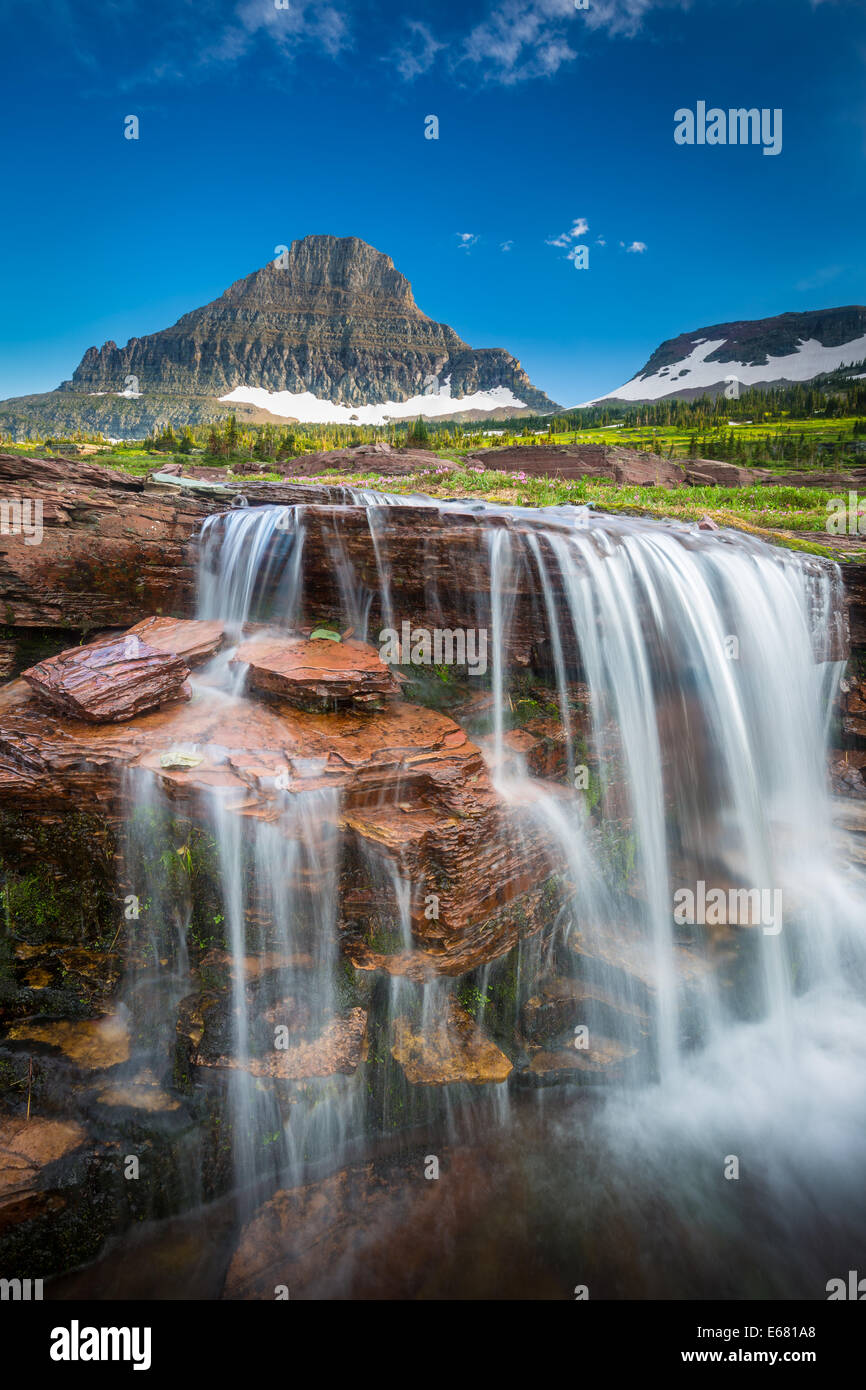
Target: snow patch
310, 410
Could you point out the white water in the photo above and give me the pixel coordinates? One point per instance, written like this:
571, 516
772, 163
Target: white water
705, 746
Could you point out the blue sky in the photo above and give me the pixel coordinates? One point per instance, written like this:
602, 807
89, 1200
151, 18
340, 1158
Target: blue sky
259, 125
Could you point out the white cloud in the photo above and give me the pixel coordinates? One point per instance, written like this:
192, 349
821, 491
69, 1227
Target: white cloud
465, 240
522, 39
637, 247
623, 18
579, 228
506, 245
417, 54
600, 241
514, 41
303, 22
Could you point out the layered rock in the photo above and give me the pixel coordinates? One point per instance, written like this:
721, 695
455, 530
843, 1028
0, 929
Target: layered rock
317, 673
449, 829
194, 640
110, 681
339, 1048
28, 1150
112, 550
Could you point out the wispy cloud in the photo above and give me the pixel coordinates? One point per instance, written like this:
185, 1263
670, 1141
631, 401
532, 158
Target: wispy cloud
624, 18
303, 22
506, 245
579, 228
189, 41
637, 248
417, 53
466, 240
524, 39
514, 40
518, 40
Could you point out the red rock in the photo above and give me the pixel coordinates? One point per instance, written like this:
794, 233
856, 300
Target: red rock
115, 550
457, 840
110, 681
317, 672
193, 639
112, 550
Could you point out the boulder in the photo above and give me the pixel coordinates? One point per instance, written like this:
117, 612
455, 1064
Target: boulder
317, 673
111, 681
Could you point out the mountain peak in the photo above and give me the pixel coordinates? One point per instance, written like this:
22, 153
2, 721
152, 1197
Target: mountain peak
330, 317
329, 265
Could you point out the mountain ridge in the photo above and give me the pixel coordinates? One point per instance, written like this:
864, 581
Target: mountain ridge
780, 350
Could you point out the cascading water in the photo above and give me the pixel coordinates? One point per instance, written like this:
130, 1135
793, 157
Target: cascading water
707, 946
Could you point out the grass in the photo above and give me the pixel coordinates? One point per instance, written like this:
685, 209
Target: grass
777, 513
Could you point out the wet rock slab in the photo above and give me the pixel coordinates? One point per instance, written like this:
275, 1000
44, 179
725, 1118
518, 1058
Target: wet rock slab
380, 1230
93, 1044
26, 1148
317, 673
339, 1048
193, 639
110, 681
449, 1049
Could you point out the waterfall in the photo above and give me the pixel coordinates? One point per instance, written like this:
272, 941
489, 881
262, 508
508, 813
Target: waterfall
703, 913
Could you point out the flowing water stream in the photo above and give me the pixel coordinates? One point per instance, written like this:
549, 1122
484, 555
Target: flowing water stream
710, 937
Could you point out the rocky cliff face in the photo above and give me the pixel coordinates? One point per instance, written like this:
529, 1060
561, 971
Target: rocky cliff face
336, 319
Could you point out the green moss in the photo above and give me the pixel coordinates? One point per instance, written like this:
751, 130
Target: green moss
385, 940
58, 880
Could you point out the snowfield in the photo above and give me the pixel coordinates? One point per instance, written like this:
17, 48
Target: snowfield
309, 409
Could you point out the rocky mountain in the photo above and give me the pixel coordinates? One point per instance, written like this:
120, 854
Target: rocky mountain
332, 322
759, 352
